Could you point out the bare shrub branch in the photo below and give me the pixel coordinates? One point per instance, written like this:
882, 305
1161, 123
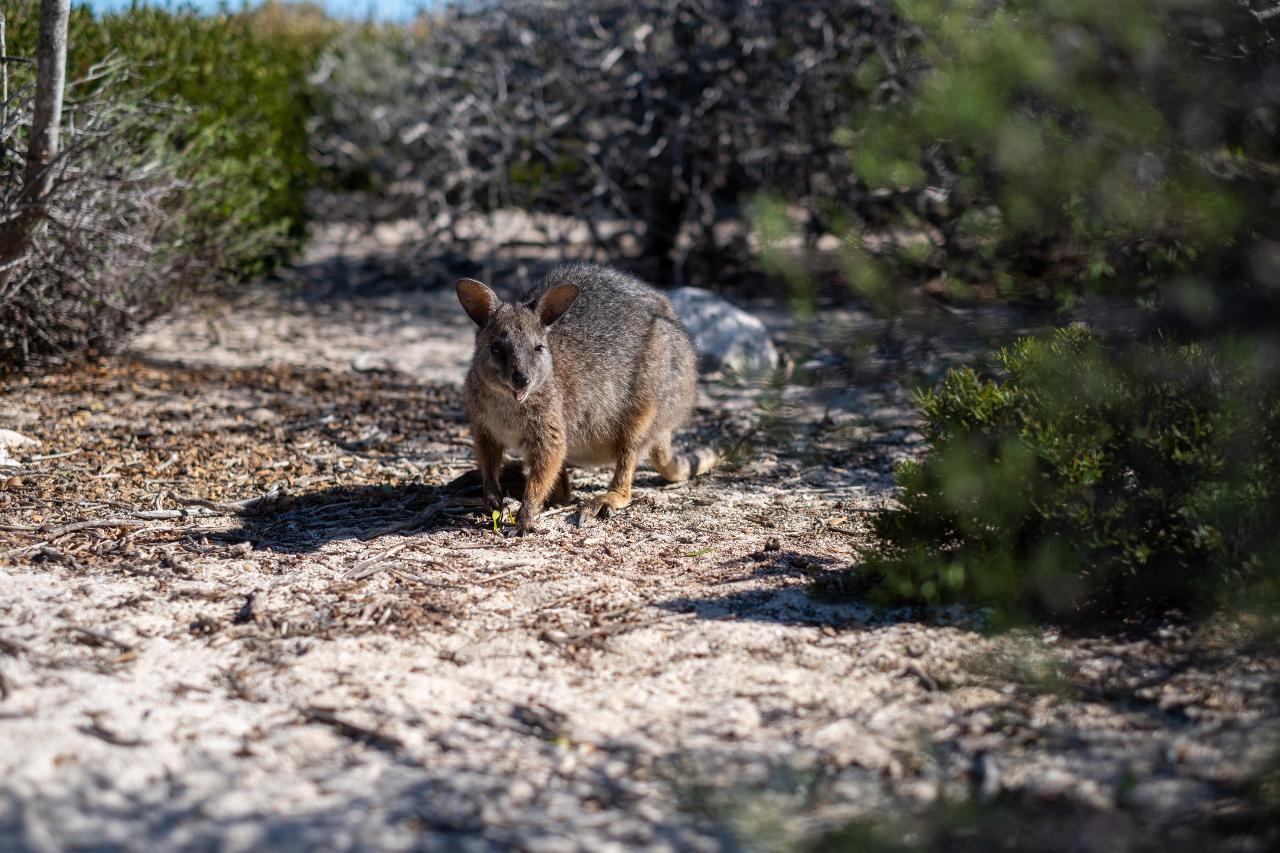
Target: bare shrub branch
631, 129
111, 247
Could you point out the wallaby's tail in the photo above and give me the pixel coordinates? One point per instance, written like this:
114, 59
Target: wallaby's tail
675, 467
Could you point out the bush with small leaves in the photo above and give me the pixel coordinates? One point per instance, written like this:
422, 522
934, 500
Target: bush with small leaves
1087, 480
1073, 148
242, 78
183, 163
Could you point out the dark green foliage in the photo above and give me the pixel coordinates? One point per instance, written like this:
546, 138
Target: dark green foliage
1082, 146
1010, 824
1129, 149
1088, 479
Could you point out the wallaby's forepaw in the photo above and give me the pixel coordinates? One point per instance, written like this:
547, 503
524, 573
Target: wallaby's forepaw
492, 499
526, 522
593, 510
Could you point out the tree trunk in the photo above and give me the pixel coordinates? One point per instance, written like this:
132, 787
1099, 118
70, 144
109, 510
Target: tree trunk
46, 124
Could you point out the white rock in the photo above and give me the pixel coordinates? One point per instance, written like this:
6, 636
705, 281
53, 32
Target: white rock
370, 362
724, 335
10, 441
1168, 796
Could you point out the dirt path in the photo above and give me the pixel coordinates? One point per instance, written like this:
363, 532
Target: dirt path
353, 661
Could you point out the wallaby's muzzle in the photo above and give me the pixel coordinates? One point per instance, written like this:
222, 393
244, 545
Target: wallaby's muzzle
520, 383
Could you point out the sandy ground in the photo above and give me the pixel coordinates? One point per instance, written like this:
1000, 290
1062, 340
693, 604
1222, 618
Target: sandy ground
355, 662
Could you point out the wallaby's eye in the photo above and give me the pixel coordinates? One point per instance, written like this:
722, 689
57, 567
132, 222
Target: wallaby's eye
495, 349
539, 348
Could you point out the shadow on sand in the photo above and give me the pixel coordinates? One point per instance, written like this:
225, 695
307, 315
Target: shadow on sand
296, 524
781, 605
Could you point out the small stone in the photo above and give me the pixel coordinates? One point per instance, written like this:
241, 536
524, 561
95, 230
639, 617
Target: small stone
521, 791
724, 335
10, 440
370, 362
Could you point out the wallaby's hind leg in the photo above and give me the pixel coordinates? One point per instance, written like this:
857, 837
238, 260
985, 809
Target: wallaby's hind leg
675, 467
630, 447
563, 489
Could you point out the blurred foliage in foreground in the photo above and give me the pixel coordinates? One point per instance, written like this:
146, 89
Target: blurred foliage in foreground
1011, 824
1125, 151
1086, 484
1080, 147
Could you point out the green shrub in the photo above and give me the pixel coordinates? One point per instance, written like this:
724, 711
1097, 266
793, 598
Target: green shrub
115, 243
244, 78
1087, 480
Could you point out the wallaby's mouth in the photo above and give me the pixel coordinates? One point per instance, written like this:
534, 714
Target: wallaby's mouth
521, 394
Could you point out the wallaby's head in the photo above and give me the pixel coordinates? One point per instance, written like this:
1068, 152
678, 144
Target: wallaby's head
511, 344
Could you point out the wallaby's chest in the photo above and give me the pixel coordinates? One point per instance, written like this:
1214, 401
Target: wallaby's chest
511, 434
589, 440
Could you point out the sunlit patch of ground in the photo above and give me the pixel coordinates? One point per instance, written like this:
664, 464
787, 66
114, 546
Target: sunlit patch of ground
241, 603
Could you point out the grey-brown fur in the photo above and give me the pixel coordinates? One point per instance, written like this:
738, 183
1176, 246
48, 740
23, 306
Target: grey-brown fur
614, 378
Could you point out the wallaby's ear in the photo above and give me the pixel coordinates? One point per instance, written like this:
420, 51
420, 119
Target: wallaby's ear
555, 302
477, 300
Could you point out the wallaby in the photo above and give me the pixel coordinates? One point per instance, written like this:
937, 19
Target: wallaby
589, 367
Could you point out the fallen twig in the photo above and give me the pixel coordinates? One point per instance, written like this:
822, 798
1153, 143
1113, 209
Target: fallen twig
602, 631
361, 734
22, 549
437, 508
76, 526
228, 507
49, 456
374, 564
511, 570
173, 457
168, 514
95, 730
102, 639
417, 578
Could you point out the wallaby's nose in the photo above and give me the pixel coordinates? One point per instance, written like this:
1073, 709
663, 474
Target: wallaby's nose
519, 380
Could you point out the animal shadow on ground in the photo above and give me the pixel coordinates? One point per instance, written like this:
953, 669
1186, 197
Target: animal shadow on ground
302, 523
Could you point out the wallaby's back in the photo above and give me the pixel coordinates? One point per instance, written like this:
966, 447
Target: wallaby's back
618, 351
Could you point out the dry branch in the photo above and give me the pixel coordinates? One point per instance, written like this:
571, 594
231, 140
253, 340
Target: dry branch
111, 237
18, 227
632, 130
